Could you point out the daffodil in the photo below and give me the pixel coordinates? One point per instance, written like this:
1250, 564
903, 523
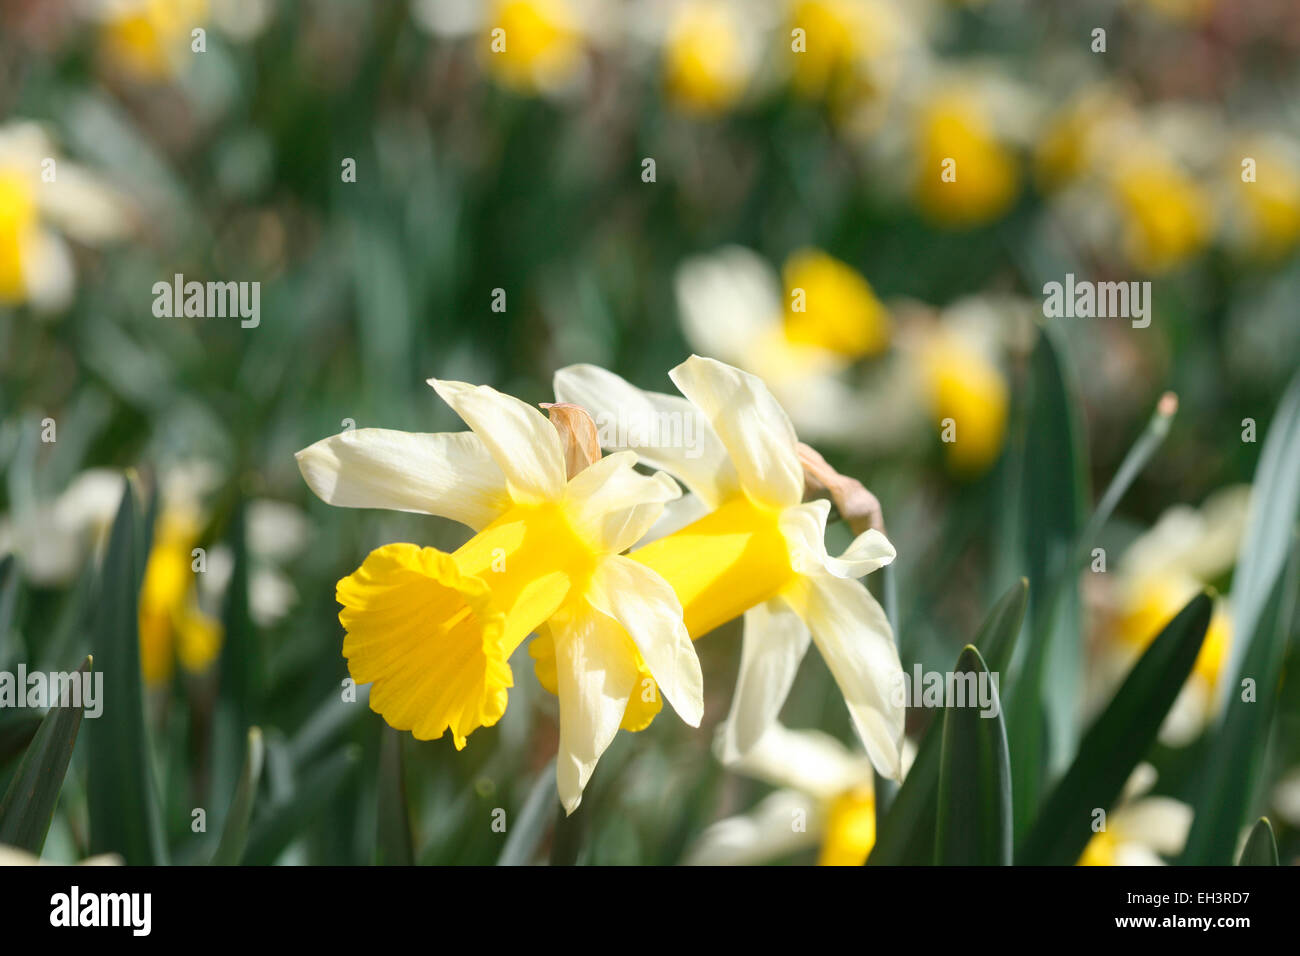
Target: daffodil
1167, 217
174, 627
1157, 575
1263, 211
966, 174
533, 47
800, 332
760, 550
53, 537
826, 798
150, 39
44, 197
433, 632
1140, 829
850, 55
708, 56
967, 391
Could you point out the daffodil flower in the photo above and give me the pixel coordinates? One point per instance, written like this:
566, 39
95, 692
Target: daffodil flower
1141, 828
43, 199
433, 632
826, 798
800, 331
172, 624
760, 551
1164, 568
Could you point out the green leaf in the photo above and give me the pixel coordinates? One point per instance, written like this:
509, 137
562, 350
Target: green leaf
1260, 848
28, 804
1239, 748
1274, 509
525, 834
1263, 605
16, 732
973, 823
234, 835
1042, 701
274, 830
394, 844
124, 815
906, 834
8, 601
1118, 739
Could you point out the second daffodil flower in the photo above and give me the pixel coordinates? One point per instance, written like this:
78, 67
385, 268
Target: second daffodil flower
433, 632
760, 550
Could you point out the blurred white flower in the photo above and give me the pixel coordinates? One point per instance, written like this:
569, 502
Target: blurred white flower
43, 199
826, 798
1140, 829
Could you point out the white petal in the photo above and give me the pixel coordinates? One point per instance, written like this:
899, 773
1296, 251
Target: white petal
678, 514
727, 301
804, 528
665, 431
612, 505
783, 823
447, 474
1161, 823
751, 425
644, 603
850, 629
595, 675
807, 760
48, 272
525, 446
775, 641
1135, 854
84, 207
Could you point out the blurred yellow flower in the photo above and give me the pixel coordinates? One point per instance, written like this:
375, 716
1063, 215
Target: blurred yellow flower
18, 231
42, 198
850, 828
799, 333
1140, 828
150, 38
706, 64
830, 305
1270, 205
826, 799
966, 386
965, 175
539, 48
172, 627
1184, 552
1167, 216
1155, 600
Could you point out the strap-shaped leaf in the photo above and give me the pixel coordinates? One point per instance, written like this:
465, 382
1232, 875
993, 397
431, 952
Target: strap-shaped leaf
1117, 740
1261, 847
124, 814
28, 804
973, 823
906, 834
